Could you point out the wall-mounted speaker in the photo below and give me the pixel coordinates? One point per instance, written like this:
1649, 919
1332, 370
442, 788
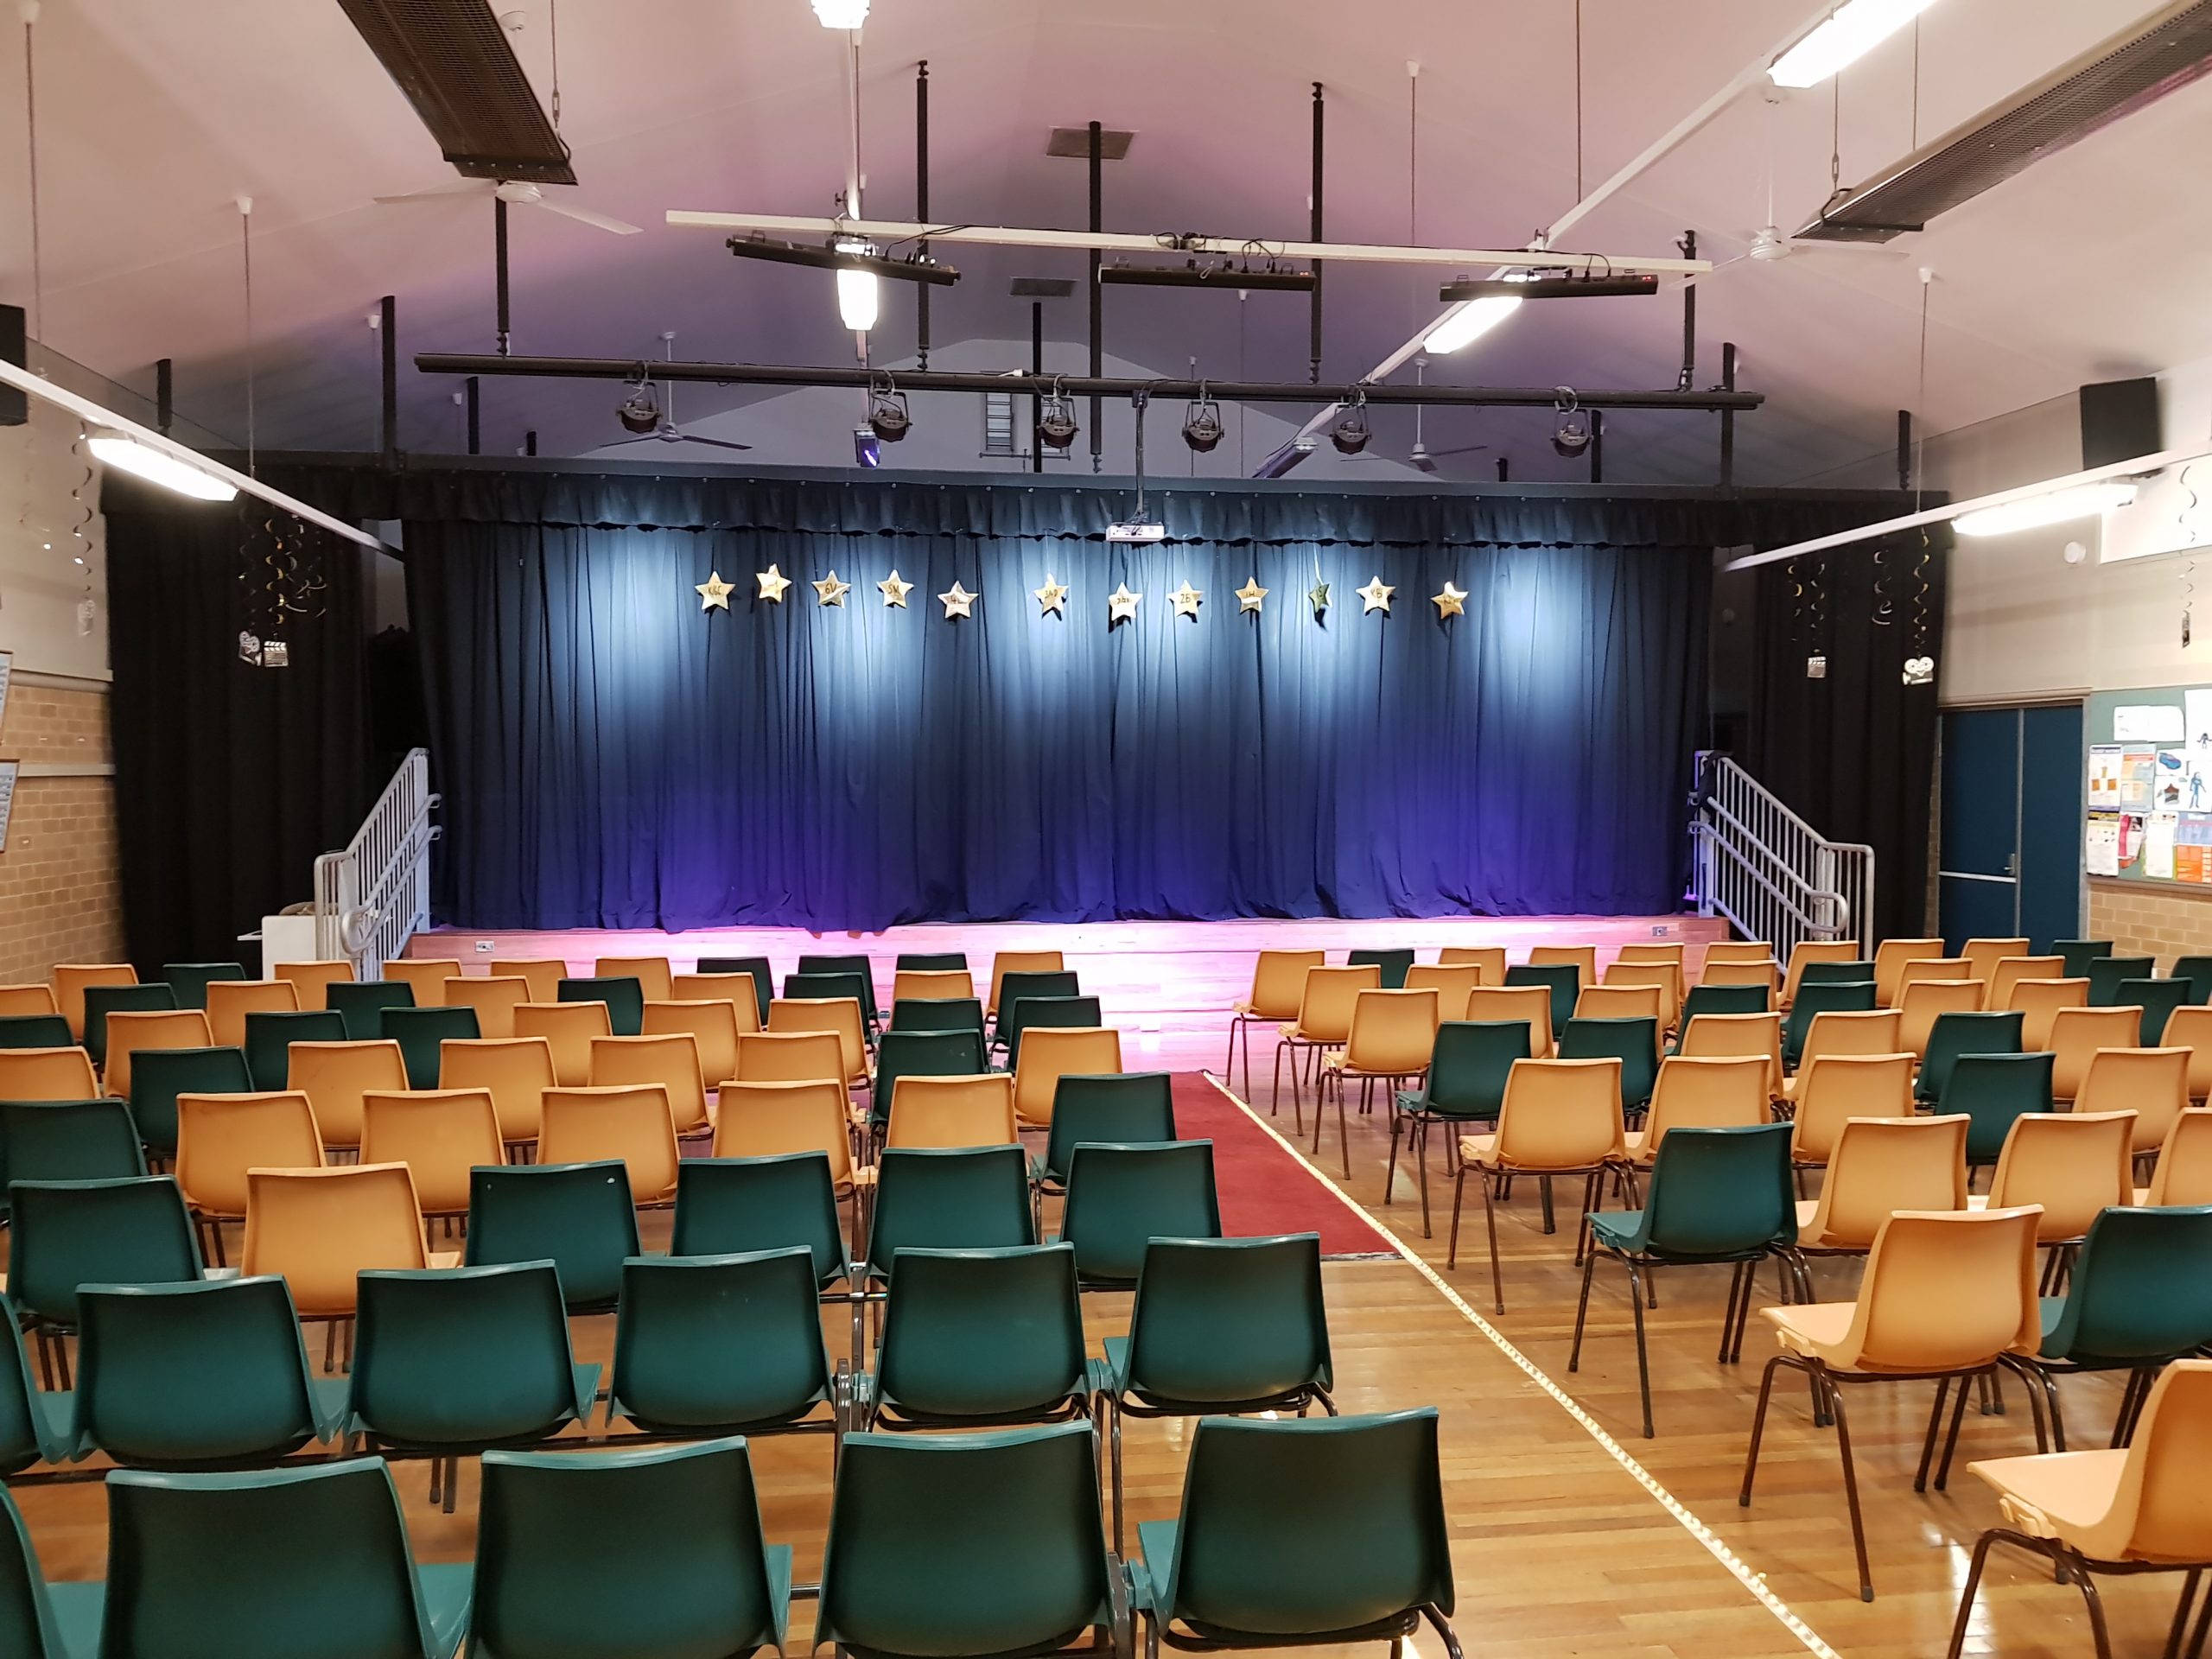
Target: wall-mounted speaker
2119, 421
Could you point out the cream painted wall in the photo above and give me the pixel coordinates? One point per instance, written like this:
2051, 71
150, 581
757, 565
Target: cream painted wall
41, 585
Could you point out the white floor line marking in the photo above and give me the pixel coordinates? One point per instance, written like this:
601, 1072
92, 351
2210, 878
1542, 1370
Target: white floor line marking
1737, 1568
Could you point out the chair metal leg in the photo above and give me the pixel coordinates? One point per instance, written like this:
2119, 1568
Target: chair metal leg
1421, 1162
2180, 1629
1935, 1427
1344, 1134
1496, 1274
1851, 1494
1758, 1424
1643, 1355
1728, 1314
1113, 1452
1581, 1312
1228, 1060
2203, 1628
1458, 1194
2097, 1606
1390, 1172
1967, 1594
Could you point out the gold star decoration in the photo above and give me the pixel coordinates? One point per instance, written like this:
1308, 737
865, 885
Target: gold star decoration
1375, 596
714, 592
1121, 604
1318, 597
830, 591
1249, 597
958, 601
1186, 600
1453, 601
1053, 597
772, 582
895, 591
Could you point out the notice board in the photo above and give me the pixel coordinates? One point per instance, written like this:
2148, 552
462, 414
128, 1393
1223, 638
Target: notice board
2147, 787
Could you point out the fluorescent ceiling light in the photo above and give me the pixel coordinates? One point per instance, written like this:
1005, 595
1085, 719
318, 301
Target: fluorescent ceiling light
841, 13
1124, 529
1470, 322
1849, 33
859, 299
127, 454
2082, 501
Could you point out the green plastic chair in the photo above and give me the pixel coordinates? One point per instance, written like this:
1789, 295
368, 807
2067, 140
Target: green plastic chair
652, 1554
1727, 999
420, 1031
2078, 954
1833, 972
937, 1013
1130, 1108
1853, 996
158, 1076
984, 1543
708, 1345
207, 1375
1563, 979
1716, 1195
980, 1339
1121, 1197
34, 1423
1466, 1083
454, 1362
1393, 963
1040, 1012
101, 1001
1294, 1534
35, 1031
931, 962
361, 1003
2138, 1299
2106, 974
40, 1620
834, 982
579, 1217
951, 1053
190, 980
764, 985
856, 965
68, 1141
1219, 1326
132, 1230
746, 1206
269, 1035
1994, 1091
1632, 1040
959, 1198
2157, 998
1027, 982
307, 1561
622, 994
2197, 970
1961, 1033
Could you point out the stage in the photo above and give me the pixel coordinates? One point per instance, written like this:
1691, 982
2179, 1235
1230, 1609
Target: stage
1169, 986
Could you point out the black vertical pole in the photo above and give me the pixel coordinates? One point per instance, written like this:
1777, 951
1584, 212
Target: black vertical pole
1036, 399
1904, 449
388, 333
164, 401
1597, 446
1728, 415
529, 443
1097, 291
1689, 318
1504, 471
500, 264
1313, 315
922, 204
475, 430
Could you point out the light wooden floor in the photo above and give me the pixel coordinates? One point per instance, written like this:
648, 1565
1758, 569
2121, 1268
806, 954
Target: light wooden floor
1559, 1550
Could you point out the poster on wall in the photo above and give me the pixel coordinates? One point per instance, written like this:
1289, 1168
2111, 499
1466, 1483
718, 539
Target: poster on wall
2138, 779
2160, 832
7, 771
2193, 848
2104, 777
7, 672
2182, 785
2146, 722
2198, 723
2100, 844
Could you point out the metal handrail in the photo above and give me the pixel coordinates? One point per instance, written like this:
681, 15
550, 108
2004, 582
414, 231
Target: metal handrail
1759, 864
371, 897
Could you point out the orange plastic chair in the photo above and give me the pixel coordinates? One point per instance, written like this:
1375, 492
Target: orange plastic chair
770, 1119
221, 1137
1019, 962
1921, 1002
321, 1229
712, 1027
129, 1033
495, 998
426, 977
311, 979
1582, 957
569, 1029
1833, 1089
543, 974
1617, 1002
2152, 1083
938, 984
584, 1126
1924, 968
2009, 971
2190, 1027
1890, 958
70, 980
739, 990
1738, 951
48, 1074
1558, 1117
17, 1000
335, 1076
669, 1062
1806, 951
1730, 1036
1983, 955
1324, 1020
1049, 1053
1740, 973
516, 1072
1666, 975
1872, 1031
229, 1002
790, 1057
1693, 1093
839, 1015
1880, 1166
1392, 1035
1490, 958
2184, 1171
1453, 985
952, 1112
1671, 950
439, 1134
2071, 1164
653, 974
2039, 1001
2077, 1034
1945, 1298
1530, 1002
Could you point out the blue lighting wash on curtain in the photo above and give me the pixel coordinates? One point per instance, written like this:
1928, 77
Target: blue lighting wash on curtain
611, 757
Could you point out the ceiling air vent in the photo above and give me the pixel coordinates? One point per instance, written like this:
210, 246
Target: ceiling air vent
2104, 84
1075, 144
452, 60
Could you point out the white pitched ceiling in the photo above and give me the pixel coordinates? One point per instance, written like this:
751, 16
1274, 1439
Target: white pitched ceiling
154, 116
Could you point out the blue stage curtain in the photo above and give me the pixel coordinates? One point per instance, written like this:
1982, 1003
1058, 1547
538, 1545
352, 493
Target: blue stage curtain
611, 757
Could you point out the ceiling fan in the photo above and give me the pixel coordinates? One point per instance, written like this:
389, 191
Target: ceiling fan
520, 194
1423, 457
1768, 246
650, 411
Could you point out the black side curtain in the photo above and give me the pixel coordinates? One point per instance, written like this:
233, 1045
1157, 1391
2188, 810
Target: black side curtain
230, 779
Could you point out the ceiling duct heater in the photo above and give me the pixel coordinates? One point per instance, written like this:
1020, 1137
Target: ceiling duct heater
452, 60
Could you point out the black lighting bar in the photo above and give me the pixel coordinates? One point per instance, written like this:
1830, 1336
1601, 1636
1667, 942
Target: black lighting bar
795, 253
1197, 276
1551, 288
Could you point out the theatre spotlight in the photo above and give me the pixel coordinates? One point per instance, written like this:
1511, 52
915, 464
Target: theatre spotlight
1571, 440
639, 410
1350, 433
867, 450
1056, 424
886, 412
1202, 427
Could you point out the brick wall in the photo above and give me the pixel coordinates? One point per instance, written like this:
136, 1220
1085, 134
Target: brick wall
2143, 921
60, 898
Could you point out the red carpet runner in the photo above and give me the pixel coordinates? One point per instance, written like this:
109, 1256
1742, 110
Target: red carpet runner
1264, 1188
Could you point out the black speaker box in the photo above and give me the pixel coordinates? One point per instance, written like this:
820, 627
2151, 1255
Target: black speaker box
2119, 421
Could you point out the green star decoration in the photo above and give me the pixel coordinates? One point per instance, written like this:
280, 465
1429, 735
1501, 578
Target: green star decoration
1318, 597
